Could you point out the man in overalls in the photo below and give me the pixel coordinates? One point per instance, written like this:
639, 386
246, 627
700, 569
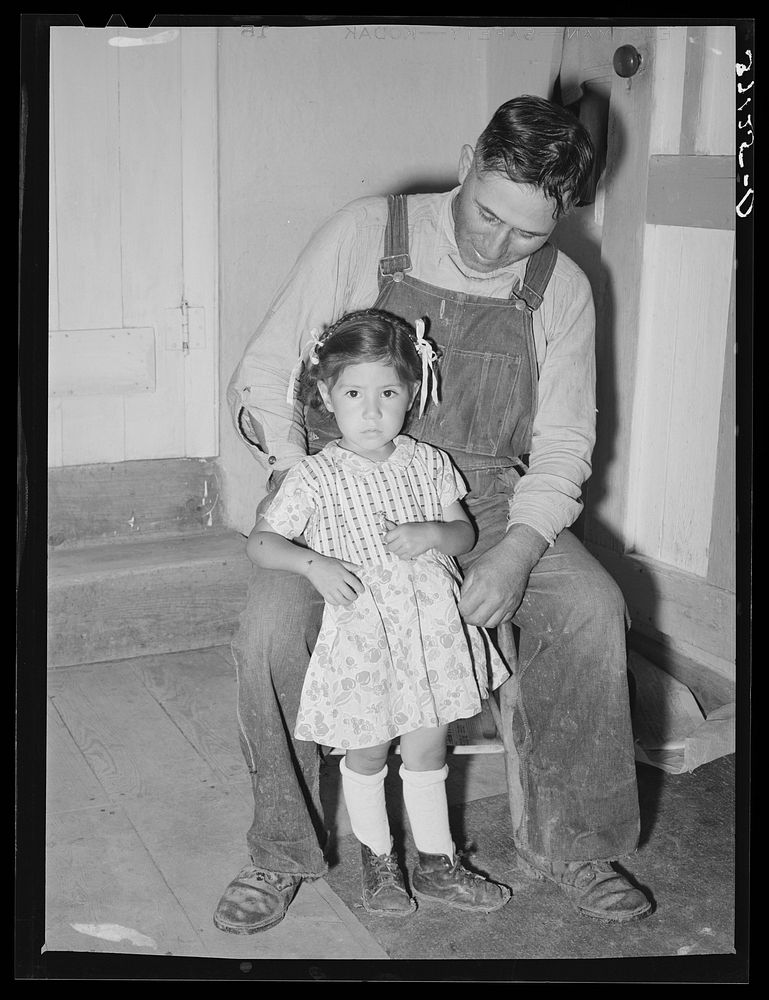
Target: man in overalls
514, 323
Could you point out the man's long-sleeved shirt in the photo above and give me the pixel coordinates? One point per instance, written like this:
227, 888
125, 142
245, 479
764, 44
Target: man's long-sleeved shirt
337, 273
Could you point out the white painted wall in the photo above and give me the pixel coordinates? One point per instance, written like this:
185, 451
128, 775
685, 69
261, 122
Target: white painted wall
310, 118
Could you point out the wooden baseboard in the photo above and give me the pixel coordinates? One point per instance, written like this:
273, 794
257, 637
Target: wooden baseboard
125, 501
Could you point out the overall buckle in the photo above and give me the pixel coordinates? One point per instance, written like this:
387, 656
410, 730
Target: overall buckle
395, 265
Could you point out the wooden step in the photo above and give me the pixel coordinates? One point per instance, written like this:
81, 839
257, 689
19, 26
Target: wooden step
134, 598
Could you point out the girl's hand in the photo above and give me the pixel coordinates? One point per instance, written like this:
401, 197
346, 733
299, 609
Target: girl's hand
407, 541
334, 579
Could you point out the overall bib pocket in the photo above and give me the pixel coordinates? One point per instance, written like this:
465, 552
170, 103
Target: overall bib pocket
477, 393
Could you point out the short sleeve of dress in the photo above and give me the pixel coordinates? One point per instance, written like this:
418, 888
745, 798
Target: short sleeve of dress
293, 505
448, 479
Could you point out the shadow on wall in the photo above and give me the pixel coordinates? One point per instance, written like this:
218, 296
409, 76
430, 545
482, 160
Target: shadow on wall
427, 184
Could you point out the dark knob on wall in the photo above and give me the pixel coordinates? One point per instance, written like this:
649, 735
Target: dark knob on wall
627, 61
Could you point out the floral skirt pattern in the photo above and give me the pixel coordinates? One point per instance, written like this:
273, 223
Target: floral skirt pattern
399, 658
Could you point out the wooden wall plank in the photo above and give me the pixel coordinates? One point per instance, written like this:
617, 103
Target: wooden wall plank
53, 249
103, 502
93, 429
683, 323
708, 124
716, 123
670, 68
722, 555
87, 224
101, 362
694, 65
199, 166
150, 198
88, 208
651, 422
697, 378
691, 191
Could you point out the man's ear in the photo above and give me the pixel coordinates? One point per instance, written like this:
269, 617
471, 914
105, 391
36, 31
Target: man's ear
465, 162
325, 395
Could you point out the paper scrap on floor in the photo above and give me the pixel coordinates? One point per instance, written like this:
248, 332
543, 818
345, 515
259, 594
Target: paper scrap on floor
670, 730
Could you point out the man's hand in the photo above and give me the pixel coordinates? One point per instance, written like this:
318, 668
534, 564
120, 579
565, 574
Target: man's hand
494, 585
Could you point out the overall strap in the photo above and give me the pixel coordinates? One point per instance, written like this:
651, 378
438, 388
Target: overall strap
396, 258
538, 272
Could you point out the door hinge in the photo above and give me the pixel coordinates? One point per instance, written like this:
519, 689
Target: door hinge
185, 328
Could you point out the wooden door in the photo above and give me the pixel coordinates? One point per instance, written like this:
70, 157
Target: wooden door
133, 245
660, 504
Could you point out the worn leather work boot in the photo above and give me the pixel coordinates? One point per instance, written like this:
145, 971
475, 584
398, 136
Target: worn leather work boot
254, 901
383, 889
444, 880
594, 888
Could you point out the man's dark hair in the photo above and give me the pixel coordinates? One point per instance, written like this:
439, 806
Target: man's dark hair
535, 141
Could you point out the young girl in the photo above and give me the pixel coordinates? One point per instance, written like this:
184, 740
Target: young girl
381, 517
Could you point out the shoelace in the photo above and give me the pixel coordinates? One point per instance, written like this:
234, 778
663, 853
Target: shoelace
457, 865
272, 878
386, 867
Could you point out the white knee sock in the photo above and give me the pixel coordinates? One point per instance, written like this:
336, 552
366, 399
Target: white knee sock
364, 797
424, 794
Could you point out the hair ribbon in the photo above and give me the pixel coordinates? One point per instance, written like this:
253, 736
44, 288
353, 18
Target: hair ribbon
428, 357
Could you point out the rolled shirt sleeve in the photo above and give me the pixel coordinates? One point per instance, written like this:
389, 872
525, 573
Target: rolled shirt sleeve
548, 497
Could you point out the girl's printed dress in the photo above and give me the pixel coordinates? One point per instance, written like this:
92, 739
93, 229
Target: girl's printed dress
398, 658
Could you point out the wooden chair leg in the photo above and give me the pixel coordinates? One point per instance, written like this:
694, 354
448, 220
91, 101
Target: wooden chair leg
502, 713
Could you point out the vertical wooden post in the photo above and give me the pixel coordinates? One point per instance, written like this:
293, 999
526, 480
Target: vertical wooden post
617, 306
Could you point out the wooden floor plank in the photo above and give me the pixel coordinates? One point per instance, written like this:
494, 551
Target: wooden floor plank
124, 734
70, 782
198, 693
99, 877
198, 843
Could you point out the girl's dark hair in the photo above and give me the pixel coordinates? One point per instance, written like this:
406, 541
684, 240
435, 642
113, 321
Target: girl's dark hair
365, 335
535, 141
